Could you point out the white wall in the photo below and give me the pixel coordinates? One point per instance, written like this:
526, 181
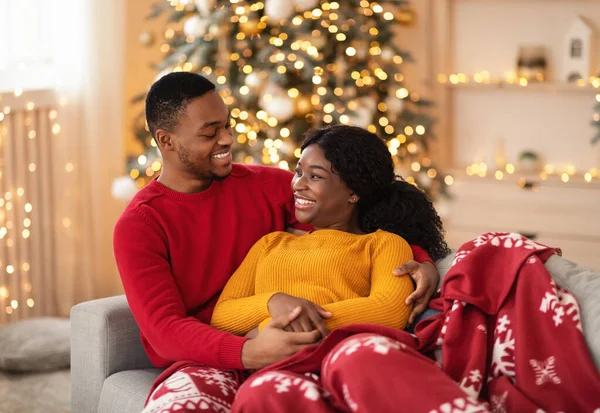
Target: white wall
487, 36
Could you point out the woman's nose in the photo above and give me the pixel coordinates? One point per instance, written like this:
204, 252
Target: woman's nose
298, 183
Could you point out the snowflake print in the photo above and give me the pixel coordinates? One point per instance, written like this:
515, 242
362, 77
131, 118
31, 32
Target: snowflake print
503, 322
544, 371
531, 245
512, 240
507, 240
475, 376
461, 405
179, 392
349, 347
224, 380
498, 403
503, 359
569, 302
382, 345
348, 399
484, 238
561, 302
472, 384
282, 383
379, 344
459, 256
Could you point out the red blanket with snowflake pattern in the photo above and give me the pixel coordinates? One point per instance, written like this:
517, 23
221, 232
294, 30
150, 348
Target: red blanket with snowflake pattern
508, 334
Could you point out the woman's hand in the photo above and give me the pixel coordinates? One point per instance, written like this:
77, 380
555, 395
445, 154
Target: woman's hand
311, 317
426, 276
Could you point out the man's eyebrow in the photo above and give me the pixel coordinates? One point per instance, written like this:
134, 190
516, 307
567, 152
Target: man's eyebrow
214, 123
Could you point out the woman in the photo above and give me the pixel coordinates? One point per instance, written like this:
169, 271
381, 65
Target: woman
364, 219
339, 274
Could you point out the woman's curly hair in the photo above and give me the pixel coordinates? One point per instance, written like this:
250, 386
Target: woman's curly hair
387, 202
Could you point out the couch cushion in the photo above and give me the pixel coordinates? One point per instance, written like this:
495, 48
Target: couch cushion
37, 344
584, 283
127, 391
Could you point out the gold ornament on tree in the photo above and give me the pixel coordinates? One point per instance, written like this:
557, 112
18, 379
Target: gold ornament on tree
146, 38
406, 16
252, 26
303, 105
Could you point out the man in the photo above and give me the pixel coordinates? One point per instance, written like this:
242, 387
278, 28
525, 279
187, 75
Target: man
184, 234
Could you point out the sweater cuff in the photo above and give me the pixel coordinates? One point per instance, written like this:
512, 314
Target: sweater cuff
420, 255
231, 352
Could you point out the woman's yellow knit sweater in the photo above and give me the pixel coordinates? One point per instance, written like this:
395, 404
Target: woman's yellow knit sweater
349, 275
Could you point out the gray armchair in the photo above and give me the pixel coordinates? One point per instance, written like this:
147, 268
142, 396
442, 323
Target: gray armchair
110, 372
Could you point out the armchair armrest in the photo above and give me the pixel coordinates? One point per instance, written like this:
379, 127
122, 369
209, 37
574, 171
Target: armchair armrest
105, 339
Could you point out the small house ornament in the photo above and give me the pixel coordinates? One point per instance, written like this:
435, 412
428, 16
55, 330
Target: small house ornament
577, 52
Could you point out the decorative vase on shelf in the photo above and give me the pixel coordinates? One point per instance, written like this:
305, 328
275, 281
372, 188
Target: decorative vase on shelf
531, 63
529, 162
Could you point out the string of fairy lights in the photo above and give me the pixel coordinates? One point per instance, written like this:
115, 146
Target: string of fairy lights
16, 209
566, 173
512, 78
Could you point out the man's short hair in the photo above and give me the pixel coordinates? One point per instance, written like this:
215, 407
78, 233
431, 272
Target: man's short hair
169, 96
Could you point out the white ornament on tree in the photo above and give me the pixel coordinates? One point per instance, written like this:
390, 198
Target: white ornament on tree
387, 54
424, 181
277, 10
271, 90
280, 107
394, 104
304, 5
195, 26
205, 7
163, 73
123, 189
363, 115
253, 80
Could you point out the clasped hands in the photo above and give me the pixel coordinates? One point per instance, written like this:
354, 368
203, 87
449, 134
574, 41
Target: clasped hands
298, 323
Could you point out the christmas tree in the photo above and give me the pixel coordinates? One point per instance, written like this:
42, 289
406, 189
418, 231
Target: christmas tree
285, 66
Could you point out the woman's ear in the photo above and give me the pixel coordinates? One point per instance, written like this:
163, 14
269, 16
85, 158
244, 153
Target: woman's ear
353, 198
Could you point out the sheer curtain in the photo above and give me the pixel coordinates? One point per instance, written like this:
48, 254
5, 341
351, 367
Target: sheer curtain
77, 150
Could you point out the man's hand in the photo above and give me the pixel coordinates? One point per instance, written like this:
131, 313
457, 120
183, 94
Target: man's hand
311, 317
426, 276
273, 344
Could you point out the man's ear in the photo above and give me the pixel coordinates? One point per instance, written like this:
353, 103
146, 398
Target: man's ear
164, 140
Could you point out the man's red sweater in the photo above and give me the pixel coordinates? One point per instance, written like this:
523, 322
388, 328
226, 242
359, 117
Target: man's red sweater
175, 253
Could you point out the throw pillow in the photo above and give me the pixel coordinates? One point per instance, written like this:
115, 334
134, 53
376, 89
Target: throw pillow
37, 344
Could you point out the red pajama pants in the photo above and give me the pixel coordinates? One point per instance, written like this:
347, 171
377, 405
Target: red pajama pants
363, 373
195, 388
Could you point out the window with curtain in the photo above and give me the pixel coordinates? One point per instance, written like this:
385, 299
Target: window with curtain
60, 74
26, 52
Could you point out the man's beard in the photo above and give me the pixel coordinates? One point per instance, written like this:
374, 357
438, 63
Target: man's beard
191, 169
